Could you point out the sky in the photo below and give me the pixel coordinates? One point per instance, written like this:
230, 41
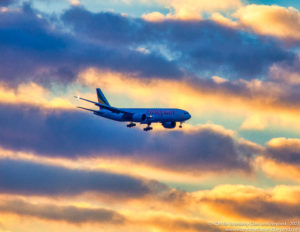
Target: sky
233, 64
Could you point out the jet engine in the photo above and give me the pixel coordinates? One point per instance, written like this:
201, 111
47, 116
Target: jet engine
169, 125
139, 117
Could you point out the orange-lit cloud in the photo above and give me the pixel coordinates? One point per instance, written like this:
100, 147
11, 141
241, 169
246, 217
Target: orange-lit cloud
219, 18
278, 170
168, 223
251, 203
64, 216
163, 211
191, 9
271, 20
281, 160
274, 20
149, 214
75, 2
67, 170
254, 122
32, 93
154, 16
233, 203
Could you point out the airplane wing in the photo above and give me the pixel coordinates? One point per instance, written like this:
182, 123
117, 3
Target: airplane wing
110, 108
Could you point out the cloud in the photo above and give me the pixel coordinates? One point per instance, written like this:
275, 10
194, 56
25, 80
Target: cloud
70, 214
32, 93
21, 177
60, 133
272, 20
35, 48
222, 20
193, 10
269, 20
6, 2
153, 17
254, 122
40, 48
286, 73
105, 217
281, 159
284, 150
75, 2
198, 47
278, 170
251, 203
180, 224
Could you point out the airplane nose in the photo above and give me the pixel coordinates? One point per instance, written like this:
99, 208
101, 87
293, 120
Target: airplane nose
188, 117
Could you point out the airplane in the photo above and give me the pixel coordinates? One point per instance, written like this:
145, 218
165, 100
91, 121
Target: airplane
166, 116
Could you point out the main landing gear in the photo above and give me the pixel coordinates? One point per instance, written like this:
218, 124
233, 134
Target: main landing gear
131, 125
145, 129
148, 127
180, 126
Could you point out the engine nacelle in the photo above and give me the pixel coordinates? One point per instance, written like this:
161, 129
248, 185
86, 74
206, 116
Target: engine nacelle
139, 117
169, 125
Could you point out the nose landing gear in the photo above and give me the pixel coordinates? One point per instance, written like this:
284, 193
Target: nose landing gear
180, 126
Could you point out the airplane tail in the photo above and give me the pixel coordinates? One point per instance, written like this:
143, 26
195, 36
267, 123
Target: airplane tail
101, 97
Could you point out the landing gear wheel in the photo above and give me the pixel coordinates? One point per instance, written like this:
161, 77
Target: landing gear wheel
180, 126
148, 128
131, 125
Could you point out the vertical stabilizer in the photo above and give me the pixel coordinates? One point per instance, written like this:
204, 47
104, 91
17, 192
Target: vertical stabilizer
101, 97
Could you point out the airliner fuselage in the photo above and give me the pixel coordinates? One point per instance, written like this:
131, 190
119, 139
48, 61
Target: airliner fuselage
152, 115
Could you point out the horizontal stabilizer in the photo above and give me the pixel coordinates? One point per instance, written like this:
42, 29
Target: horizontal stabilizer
86, 109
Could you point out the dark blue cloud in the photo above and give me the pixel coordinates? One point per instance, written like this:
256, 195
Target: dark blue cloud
287, 152
106, 27
66, 133
36, 179
35, 47
201, 47
70, 214
6, 2
73, 134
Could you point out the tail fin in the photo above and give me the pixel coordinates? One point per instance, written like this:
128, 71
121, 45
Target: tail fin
101, 97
